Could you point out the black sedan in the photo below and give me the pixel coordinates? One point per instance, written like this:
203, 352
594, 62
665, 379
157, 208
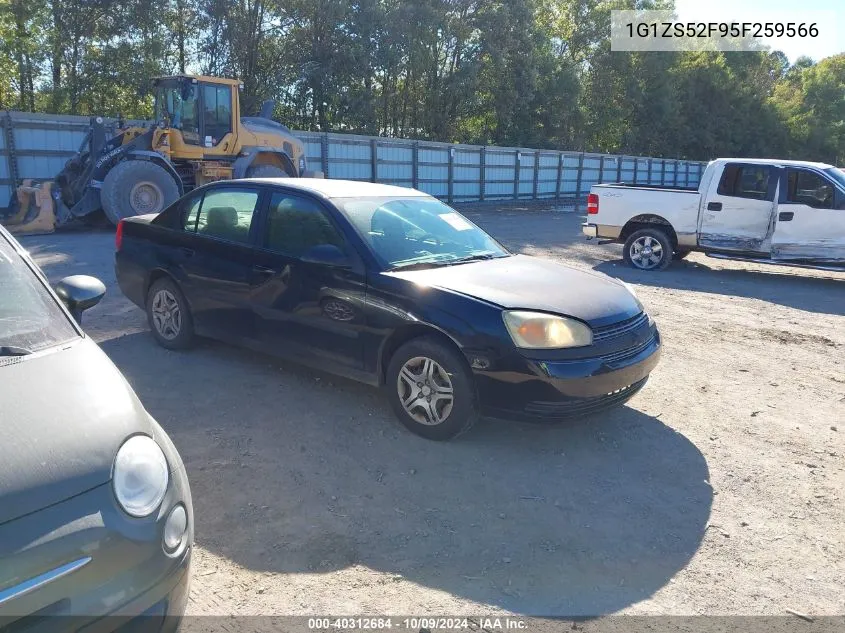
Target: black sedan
96, 522
392, 287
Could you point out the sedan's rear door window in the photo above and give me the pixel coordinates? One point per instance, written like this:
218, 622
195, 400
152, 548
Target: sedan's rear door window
227, 214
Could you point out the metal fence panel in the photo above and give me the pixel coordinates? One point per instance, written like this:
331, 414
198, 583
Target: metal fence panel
37, 146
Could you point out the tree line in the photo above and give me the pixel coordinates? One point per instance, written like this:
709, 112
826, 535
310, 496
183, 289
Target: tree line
534, 73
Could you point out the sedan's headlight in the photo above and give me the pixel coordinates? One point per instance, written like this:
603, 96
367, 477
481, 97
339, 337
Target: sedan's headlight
140, 476
535, 330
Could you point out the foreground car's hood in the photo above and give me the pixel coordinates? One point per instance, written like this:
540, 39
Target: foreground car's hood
63, 415
532, 283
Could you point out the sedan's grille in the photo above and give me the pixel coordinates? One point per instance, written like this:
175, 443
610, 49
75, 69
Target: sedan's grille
583, 406
609, 332
625, 354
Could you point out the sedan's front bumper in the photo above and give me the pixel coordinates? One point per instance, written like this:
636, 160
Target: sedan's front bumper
124, 571
538, 390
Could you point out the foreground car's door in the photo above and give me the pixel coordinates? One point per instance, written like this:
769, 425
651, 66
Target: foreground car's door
738, 214
303, 307
811, 218
217, 261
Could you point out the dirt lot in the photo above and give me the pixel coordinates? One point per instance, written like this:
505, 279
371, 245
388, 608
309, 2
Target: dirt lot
717, 490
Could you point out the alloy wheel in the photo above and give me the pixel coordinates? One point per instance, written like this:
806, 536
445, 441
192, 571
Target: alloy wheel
646, 252
425, 390
167, 317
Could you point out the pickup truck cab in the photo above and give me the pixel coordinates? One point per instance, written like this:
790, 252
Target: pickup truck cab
772, 211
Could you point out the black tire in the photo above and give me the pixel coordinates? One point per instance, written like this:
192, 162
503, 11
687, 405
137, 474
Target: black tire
137, 187
681, 253
266, 171
184, 334
460, 414
659, 249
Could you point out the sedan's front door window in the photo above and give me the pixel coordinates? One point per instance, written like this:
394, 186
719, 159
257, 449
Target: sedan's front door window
227, 214
296, 224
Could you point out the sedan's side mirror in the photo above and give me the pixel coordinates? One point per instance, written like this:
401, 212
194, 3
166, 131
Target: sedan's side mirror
80, 292
326, 255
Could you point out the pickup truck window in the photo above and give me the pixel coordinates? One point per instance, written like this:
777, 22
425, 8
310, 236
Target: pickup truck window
745, 181
296, 224
225, 214
805, 187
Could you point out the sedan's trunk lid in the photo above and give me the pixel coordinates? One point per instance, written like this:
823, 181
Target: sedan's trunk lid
64, 413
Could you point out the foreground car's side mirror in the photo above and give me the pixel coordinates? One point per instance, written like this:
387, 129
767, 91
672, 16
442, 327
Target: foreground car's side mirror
80, 292
326, 255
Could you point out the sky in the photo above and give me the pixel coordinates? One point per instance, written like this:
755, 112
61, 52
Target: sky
830, 15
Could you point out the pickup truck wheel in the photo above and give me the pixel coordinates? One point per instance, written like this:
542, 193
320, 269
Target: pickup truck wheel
169, 315
648, 249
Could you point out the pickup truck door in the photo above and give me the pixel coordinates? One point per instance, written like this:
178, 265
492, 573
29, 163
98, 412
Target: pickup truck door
313, 311
215, 261
811, 218
737, 211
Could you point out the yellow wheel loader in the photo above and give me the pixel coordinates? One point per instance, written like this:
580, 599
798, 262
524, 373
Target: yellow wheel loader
198, 136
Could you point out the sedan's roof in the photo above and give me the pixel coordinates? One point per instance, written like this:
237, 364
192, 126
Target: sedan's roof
343, 188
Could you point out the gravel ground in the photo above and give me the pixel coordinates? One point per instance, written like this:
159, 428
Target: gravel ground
716, 490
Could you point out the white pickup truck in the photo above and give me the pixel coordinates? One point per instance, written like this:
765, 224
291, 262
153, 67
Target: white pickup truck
773, 211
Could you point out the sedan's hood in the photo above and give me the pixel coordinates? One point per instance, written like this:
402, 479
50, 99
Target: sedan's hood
63, 415
530, 283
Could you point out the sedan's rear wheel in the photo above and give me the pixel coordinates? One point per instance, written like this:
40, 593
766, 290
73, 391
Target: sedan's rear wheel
431, 389
169, 315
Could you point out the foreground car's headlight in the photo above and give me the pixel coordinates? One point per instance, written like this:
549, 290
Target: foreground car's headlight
536, 330
140, 476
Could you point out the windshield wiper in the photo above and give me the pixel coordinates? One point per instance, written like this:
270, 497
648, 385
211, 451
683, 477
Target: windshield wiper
420, 265
475, 258
12, 350
437, 260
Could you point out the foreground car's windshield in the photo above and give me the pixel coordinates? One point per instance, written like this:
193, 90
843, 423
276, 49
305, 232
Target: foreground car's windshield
30, 320
418, 231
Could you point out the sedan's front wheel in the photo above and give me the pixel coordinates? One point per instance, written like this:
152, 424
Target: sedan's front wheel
431, 389
169, 315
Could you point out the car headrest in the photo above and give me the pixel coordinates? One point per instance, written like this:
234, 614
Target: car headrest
222, 218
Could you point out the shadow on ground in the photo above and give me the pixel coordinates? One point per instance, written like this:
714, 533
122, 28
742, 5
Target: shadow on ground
295, 471
814, 294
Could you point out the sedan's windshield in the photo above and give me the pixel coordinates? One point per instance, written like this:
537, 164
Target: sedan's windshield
30, 320
418, 231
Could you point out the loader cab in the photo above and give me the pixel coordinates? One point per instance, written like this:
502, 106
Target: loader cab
203, 110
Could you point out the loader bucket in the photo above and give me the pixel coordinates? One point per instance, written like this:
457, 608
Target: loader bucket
36, 210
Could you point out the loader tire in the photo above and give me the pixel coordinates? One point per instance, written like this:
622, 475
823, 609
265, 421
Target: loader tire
266, 171
137, 187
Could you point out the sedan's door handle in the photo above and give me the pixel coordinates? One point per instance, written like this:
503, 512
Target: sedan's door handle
786, 216
187, 252
714, 206
264, 270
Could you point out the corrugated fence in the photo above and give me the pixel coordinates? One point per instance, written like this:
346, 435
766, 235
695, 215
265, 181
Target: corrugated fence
37, 146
